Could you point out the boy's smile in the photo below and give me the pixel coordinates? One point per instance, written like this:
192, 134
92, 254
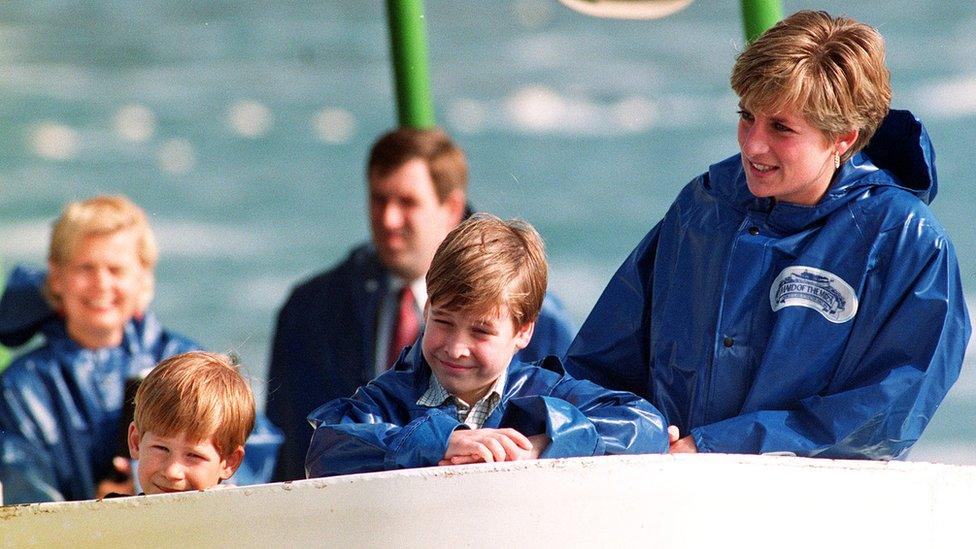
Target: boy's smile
173, 464
468, 353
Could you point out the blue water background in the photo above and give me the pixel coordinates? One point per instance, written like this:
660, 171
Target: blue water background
242, 127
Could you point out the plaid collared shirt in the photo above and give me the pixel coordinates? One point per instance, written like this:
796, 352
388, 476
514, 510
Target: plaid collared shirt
473, 416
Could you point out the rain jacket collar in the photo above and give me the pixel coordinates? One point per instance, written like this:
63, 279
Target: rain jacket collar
900, 154
24, 313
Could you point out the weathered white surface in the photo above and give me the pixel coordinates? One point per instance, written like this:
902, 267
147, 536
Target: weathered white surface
659, 501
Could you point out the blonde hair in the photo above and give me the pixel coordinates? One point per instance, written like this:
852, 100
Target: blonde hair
200, 394
102, 215
830, 69
485, 262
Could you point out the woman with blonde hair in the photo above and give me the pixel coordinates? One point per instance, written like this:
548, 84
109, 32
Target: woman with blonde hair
799, 296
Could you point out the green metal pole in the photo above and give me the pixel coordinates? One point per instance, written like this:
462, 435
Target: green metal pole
408, 47
759, 15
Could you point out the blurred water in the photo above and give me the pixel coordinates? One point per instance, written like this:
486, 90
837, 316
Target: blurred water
242, 128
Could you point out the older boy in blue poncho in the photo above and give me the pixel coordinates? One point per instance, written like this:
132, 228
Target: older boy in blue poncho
458, 396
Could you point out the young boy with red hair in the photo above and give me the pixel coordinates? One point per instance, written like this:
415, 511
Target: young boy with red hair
193, 413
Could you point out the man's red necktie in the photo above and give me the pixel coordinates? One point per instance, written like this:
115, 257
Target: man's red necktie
406, 326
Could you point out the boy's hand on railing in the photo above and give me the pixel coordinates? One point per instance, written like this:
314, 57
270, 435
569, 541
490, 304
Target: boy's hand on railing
486, 445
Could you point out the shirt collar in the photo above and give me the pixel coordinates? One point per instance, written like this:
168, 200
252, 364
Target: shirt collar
436, 394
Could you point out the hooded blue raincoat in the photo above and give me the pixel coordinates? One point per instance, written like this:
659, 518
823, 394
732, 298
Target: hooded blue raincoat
833, 330
61, 404
381, 427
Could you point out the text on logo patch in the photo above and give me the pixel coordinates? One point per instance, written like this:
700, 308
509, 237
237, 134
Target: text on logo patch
817, 289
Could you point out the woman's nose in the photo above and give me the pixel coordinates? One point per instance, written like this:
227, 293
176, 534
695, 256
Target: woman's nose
103, 279
754, 140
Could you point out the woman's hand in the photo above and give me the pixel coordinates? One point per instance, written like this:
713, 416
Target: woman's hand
680, 445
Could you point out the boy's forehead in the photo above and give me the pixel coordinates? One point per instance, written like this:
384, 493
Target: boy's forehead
484, 314
182, 438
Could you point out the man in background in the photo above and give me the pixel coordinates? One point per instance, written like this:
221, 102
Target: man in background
343, 327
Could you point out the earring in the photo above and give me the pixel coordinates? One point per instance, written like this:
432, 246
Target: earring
836, 160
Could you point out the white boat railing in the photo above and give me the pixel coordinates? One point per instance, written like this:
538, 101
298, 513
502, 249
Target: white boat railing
654, 500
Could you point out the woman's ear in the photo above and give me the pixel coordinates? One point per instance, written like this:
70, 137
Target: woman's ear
55, 278
844, 141
148, 286
53, 287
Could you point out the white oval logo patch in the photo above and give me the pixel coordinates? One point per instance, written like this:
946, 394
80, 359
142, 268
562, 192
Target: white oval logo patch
817, 289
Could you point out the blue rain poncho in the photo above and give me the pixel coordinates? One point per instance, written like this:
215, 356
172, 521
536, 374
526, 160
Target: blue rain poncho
833, 330
381, 427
